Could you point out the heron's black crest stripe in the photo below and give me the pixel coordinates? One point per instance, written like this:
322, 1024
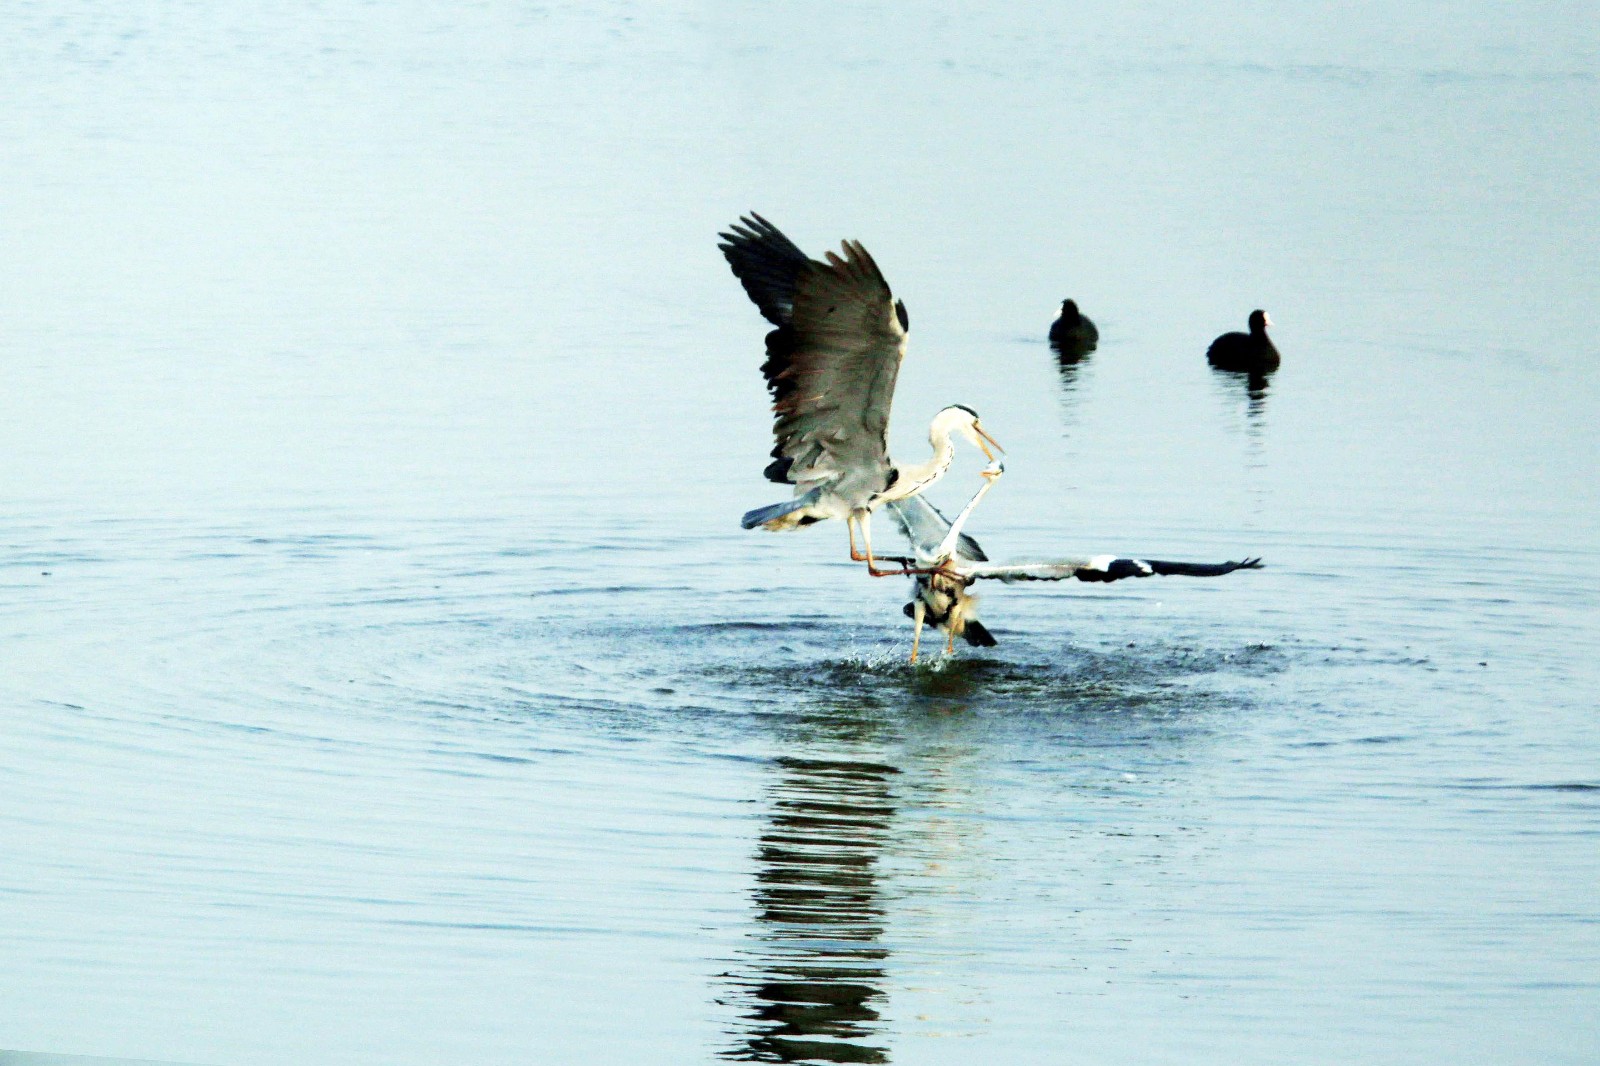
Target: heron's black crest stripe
965, 408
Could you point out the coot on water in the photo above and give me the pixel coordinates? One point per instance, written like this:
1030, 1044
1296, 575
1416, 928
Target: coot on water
1071, 333
1247, 352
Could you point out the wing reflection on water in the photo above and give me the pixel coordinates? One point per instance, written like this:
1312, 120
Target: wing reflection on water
815, 991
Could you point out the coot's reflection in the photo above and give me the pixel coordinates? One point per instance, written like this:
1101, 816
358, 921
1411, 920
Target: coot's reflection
1070, 364
1254, 385
815, 990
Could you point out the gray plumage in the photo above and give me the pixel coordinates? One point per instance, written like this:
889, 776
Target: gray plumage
1103, 568
925, 526
942, 596
831, 363
831, 366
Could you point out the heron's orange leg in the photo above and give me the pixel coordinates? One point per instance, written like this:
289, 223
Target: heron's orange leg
918, 611
872, 564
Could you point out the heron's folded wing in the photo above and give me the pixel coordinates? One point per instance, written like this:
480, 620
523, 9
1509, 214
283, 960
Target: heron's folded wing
1103, 568
925, 527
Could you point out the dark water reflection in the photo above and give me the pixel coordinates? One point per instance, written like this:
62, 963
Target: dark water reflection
1253, 385
813, 983
815, 989
1073, 349
1069, 365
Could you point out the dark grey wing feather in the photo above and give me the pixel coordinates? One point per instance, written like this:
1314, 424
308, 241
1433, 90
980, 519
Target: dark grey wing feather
767, 264
1104, 568
831, 363
1203, 569
925, 526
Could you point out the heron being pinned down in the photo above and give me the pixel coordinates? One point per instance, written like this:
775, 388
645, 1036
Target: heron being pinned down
831, 367
945, 563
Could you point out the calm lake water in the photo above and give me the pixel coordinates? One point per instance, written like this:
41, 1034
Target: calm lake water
384, 676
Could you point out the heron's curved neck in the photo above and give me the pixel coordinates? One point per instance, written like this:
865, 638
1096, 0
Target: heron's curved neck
914, 479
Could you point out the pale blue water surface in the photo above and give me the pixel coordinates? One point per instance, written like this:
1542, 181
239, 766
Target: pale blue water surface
384, 677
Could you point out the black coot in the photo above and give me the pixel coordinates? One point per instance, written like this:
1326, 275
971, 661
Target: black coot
1071, 334
1251, 352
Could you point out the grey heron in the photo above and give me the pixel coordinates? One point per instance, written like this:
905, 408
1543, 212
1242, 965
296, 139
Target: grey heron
1251, 352
945, 563
831, 366
1072, 335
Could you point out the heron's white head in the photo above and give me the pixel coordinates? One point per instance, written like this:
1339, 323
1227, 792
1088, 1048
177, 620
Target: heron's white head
959, 418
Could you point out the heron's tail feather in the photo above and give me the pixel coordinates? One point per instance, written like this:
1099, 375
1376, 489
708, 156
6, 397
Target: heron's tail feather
762, 516
978, 635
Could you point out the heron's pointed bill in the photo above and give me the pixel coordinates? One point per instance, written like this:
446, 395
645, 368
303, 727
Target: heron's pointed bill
986, 452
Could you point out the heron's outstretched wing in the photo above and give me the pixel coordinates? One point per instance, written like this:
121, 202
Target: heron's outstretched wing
925, 527
831, 363
1103, 568
767, 264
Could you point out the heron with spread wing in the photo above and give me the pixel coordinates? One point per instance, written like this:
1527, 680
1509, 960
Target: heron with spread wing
831, 367
945, 563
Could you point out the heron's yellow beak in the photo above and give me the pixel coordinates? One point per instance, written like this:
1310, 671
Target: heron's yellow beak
986, 452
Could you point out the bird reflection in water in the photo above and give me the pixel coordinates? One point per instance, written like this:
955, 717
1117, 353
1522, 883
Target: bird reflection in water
816, 991
1069, 365
1071, 360
1253, 384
